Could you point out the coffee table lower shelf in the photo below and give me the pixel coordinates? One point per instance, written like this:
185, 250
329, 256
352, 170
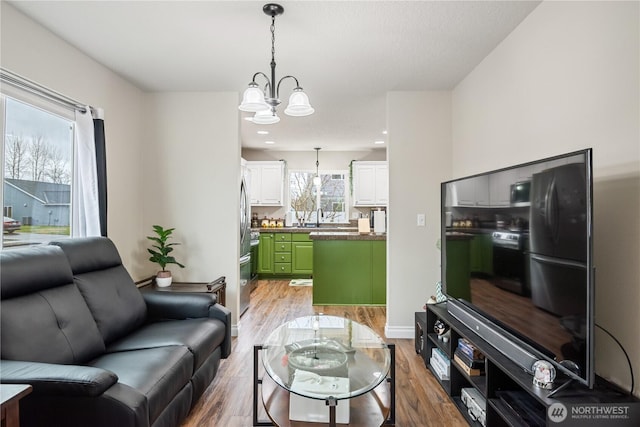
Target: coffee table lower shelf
370, 409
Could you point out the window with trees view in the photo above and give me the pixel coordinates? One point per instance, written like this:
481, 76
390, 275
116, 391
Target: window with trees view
37, 153
329, 201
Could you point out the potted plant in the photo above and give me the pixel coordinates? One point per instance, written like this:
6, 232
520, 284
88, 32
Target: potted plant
160, 254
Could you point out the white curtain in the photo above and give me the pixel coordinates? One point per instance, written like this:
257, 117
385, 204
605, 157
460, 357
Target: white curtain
86, 209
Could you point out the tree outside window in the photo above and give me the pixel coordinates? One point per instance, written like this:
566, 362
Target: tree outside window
331, 199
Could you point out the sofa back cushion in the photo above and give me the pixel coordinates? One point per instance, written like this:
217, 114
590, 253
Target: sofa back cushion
44, 318
113, 298
33, 268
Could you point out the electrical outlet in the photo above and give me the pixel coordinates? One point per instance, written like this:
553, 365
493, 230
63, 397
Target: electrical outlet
421, 220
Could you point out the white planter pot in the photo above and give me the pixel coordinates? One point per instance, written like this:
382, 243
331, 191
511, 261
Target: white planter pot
163, 279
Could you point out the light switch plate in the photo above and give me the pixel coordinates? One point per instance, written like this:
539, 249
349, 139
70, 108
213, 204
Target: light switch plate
421, 220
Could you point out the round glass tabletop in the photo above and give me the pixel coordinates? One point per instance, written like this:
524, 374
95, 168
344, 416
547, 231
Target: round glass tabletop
324, 357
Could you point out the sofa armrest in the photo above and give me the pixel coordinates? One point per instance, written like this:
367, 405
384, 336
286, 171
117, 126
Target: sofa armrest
64, 380
183, 305
222, 313
177, 305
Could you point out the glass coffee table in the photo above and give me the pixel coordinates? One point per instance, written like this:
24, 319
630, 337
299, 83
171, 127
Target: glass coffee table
325, 370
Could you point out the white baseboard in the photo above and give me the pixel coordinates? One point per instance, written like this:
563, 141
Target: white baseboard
408, 332
234, 330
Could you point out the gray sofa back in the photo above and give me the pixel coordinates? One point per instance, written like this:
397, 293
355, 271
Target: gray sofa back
41, 302
113, 298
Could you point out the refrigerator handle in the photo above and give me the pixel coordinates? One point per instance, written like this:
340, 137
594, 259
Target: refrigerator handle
545, 211
553, 211
557, 261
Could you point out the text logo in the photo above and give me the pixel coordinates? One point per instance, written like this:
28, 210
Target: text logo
557, 412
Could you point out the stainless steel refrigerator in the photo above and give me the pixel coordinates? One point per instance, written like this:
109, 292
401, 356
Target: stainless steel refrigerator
558, 239
245, 247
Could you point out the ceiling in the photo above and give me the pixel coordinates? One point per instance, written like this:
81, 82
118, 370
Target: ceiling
346, 54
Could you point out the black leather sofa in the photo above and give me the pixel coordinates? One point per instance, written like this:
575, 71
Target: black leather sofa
97, 350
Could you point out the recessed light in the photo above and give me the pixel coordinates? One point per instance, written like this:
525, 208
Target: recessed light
270, 142
378, 142
263, 132
384, 132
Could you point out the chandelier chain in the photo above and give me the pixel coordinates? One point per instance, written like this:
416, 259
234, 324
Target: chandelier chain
273, 39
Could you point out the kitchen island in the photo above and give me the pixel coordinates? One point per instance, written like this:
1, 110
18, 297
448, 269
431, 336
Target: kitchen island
349, 268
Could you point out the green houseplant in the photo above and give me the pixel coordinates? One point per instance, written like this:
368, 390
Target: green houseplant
161, 254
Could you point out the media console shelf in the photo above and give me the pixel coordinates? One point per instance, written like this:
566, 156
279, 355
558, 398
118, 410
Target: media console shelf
511, 398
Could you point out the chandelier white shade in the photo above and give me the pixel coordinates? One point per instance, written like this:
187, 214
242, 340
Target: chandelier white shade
253, 99
299, 104
264, 101
265, 117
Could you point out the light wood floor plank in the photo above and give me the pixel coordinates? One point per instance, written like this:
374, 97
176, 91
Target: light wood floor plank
420, 401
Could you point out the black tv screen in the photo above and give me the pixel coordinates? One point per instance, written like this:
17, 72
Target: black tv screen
517, 250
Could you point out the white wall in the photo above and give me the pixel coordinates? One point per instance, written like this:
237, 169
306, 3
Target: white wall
35, 53
419, 126
567, 78
192, 183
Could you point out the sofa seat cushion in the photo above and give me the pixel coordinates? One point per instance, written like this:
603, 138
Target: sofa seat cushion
200, 336
50, 326
158, 373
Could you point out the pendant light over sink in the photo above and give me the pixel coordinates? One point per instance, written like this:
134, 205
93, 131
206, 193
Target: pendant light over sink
316, 179
264, 101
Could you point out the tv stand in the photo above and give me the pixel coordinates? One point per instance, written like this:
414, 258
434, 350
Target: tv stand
560, 388
510, 397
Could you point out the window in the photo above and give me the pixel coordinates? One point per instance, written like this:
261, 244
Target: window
331, 201
37, 154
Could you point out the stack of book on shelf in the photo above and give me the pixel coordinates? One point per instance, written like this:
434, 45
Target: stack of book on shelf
469, 358
440, 364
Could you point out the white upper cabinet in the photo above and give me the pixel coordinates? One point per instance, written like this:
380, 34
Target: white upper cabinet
370, 183
500, 187
471, 192
267, 183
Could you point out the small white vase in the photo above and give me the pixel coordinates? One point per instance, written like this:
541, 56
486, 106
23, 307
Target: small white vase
163, 279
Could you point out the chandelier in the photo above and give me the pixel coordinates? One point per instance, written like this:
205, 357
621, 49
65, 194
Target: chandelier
263, 101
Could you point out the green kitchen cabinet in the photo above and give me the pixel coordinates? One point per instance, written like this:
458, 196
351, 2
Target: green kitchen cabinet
301, 254
282, 253
486, 248
285, 254
349, 272
458, 279
481, 254
265, 254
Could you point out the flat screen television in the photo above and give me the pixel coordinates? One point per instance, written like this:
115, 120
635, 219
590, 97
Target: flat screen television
517, 260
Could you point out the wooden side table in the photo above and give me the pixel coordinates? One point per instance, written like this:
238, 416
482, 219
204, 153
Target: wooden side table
217, 287
10, 396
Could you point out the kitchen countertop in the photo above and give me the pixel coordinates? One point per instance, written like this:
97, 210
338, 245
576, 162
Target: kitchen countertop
456, 235
471, 230
346, 235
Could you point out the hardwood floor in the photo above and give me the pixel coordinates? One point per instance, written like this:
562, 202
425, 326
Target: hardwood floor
420, 401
